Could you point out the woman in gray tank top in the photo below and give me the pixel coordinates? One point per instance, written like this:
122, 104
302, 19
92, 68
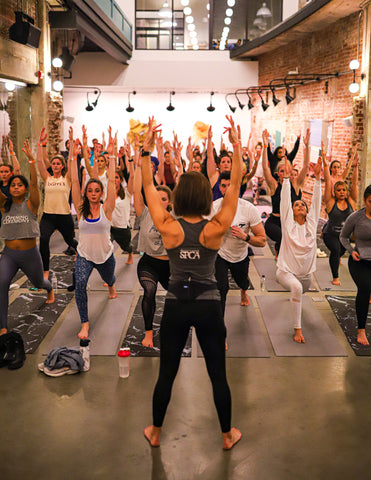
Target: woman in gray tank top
19, 228
193, 298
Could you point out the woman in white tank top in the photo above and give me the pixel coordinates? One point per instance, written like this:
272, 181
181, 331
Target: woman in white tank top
95, 249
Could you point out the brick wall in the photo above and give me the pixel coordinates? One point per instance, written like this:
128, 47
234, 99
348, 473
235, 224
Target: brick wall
326, 51
7, 17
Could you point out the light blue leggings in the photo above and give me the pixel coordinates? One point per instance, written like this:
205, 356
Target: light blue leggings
83, 269
29, 261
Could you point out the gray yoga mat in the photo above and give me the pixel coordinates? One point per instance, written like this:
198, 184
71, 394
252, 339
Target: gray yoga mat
320, 341
258, 251
267, 267
126, 275
244, 335
107, 319
324, 277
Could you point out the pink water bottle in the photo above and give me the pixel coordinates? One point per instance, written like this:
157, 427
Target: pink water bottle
124, 356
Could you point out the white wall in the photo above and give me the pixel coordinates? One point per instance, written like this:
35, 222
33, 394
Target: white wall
289, 7
189, 108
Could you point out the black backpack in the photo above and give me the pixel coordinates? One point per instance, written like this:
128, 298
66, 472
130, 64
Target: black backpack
12, 352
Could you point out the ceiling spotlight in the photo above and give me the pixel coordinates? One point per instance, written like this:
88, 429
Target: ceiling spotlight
231, 3
229, 12
189, 19
165, 11
354, 65
88, 108
263, 104
57, 62
191, 27
57, 86
193, 34
288, 97
241, 105
170, 108
232, 109
10, 86
187, 10
184, 2
129, 108
275, 100
227, 21
250, 104
226, 29
211, 108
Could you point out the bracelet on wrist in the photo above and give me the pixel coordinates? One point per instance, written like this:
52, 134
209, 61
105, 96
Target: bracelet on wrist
74, 158
236, 144
31, 161
325, 166
12, 154
144, 153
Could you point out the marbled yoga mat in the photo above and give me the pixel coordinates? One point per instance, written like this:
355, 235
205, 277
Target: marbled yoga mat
344, 309
32, 318
135, 332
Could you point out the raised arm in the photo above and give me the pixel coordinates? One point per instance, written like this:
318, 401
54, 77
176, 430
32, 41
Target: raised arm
212, 171
300, 179
41, 146
177, 146
13, 158
271, 182
327, 194
315, 208
33, 201
76, 192
285, 203
137, 189
161, 159
109, 203
189, 154
85, 152
294, 151
130, 167
353, 193
348, 166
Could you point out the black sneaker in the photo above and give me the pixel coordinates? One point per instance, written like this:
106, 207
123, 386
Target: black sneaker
70, 251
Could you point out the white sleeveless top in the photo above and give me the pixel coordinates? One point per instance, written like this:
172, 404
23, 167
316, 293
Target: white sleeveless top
95, 238
121, 212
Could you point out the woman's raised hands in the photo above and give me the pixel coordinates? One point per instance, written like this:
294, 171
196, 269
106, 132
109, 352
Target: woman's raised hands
232, 132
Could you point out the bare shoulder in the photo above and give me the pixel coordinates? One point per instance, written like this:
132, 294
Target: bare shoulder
171, 231
212, 234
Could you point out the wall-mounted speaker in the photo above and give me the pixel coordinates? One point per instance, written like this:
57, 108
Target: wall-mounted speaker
24, 31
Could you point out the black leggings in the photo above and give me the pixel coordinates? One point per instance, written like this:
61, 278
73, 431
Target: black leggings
50, 222
273, 229
240, 274
361, 274
337, 250
123, 237
151, 271
206, 316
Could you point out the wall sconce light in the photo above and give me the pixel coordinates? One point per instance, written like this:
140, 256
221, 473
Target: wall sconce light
129, 108
354, 87
57, 86
250, 105
211, 108
241, 105
275, 100
90, 107
288, 97
232, 109
263, 104
170, 108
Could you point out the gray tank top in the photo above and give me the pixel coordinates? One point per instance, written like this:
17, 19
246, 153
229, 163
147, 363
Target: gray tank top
19, 222
192, 262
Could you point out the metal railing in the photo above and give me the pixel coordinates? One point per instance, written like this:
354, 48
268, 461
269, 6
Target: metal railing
114, 12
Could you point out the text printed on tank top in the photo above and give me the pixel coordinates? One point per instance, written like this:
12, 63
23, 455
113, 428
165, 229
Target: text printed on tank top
189, 254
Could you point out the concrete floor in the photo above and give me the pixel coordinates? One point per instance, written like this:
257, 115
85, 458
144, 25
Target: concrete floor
301, 418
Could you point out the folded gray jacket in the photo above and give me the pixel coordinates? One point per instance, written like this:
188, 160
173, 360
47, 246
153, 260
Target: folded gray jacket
64, 357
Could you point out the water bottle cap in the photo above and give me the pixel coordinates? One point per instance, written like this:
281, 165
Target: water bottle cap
84, 342
124, 352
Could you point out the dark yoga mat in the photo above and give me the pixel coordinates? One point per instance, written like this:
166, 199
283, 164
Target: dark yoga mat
244, 335
320, 341
32, 318
345, 311
107, 320
126, 275
324, 277
62, 265
135, 332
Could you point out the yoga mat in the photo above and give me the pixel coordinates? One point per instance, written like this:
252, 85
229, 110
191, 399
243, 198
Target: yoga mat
320, 341
257, 250
62, 265
32, 318
107, 319
135, 332
345, 311
244, 335
126, 275
324, 277
267, 267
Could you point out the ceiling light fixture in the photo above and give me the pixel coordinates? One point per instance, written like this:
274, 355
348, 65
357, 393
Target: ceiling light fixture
264, 11
232, 109
129, 108
187, 10
227, 21
229, 12
170, 108
211, 108
264, 105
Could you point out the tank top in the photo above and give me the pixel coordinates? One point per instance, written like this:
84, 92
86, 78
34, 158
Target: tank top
121, 212
95, 238
169, 179
336, 219
193, 264
276, 197
19, 222
57, 192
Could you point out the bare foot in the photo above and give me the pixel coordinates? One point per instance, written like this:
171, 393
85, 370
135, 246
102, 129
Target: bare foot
152, 434
244, 298
148, 339
129, 261
361, 337
336, 281
46, 275
231, 438
112, 292
298, 337
50, 297
105, 284
84, 332
3, 331
226, 345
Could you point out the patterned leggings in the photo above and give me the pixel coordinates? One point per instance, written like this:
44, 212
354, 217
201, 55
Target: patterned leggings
83, 269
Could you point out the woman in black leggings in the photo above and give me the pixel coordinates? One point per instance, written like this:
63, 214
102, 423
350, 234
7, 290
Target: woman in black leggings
57, 211
153, 267
273, 224
193, 298
338, 207
359, 225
